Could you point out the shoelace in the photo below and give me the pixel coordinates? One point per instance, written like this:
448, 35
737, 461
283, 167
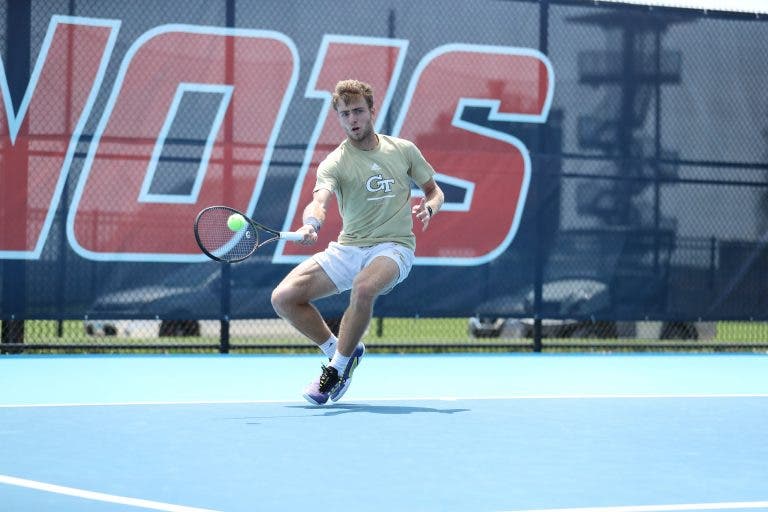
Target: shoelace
328, 379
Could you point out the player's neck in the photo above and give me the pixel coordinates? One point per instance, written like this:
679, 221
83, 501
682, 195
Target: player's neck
367, 144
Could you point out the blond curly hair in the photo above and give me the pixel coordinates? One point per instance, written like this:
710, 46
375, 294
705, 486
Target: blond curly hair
346, 90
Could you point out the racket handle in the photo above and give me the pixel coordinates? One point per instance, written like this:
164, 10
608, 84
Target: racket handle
291, 235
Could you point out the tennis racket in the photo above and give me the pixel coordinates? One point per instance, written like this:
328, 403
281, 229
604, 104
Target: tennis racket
221, 243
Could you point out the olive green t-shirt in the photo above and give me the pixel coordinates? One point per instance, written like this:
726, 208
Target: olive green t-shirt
373, 189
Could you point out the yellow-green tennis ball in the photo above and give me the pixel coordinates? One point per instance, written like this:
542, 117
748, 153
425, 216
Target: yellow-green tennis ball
236, 222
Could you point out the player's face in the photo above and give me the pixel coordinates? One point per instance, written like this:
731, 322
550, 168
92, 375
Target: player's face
357, 121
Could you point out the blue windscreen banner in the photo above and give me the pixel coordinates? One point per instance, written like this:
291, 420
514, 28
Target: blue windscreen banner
599, 161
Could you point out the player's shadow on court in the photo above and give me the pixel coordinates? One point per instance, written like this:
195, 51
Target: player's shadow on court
338, 409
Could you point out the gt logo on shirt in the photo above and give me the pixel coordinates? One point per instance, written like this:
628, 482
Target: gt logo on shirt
377, 183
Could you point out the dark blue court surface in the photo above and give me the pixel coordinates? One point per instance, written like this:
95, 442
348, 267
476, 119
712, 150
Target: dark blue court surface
445, 433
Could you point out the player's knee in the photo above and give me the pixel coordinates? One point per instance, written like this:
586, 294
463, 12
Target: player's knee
280, 301
365, 292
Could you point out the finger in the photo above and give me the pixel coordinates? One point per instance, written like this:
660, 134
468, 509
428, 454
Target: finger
417, 209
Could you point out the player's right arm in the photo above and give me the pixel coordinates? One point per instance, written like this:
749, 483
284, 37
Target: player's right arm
314, 215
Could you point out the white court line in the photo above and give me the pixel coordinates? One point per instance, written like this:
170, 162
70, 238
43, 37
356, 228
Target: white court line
658, 508
357, 400
98, 496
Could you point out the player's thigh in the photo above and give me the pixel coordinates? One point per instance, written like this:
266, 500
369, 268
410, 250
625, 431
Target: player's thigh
306, 282
377, 277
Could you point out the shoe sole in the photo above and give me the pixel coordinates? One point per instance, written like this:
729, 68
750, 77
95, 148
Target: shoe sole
312, 400
348, 382
343, 390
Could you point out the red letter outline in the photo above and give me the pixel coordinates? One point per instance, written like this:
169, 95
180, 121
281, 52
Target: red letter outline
15, 119
116, 90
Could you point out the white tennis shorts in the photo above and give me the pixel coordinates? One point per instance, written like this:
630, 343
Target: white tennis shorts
343, 262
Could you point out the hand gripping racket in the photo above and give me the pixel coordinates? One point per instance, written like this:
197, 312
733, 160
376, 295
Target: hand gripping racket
217, 239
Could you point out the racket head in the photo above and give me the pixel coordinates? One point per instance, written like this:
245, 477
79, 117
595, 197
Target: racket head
218, 241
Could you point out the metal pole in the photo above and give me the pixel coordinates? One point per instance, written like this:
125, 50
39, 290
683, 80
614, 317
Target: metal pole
538, 274
226, 270
14, 295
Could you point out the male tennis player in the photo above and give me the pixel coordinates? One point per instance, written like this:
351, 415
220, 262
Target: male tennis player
370, 174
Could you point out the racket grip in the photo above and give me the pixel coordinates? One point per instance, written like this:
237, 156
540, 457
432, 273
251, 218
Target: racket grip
291, 235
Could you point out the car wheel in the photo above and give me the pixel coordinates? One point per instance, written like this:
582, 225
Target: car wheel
179, 328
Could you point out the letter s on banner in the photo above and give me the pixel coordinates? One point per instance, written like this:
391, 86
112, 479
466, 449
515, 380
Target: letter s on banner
121, 210
493, 167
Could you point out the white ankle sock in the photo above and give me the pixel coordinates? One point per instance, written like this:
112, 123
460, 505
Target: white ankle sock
329, 347
340, 361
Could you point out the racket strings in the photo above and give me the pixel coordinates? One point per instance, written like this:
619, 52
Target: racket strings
220, 241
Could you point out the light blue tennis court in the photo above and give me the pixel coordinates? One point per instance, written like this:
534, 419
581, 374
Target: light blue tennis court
429, 432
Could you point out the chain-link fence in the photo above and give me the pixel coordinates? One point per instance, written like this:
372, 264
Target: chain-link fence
400, 335
604, 169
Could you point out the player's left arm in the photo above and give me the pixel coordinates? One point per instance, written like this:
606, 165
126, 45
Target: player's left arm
430, 204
